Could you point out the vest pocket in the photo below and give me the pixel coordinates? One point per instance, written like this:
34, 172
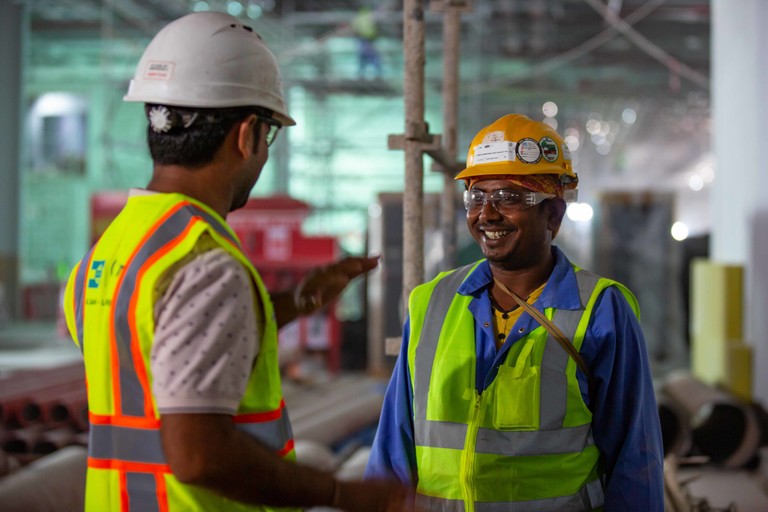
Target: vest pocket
516, 404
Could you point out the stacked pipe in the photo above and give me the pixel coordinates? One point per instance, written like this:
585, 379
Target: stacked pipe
330, 412
699, 419
41, 411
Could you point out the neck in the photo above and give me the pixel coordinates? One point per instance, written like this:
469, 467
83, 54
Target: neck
195, 183
523, 282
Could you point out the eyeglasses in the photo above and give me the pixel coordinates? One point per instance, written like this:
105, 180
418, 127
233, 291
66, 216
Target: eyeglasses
274, 127
503, 201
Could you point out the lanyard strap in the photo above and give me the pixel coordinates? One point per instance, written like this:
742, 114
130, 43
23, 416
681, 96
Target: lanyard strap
550, 327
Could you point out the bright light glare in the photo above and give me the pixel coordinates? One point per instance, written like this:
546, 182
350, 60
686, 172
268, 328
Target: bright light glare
696, 182
593, 126
629, 116
235, 8
579, 212
572, 142
551, 122
679, 231
200, 6
253, 11
707, 173
549, 108
603, 149
57, 104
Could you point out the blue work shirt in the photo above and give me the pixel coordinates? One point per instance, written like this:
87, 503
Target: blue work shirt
625, 423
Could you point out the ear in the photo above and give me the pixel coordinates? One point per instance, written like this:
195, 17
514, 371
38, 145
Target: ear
555, 213
247, 136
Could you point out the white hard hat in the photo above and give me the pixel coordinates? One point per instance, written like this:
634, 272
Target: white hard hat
209, 60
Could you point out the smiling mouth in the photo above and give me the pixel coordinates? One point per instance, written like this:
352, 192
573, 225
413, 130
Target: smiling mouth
495, 235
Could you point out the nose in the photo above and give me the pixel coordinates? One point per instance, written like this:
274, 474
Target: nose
489, 209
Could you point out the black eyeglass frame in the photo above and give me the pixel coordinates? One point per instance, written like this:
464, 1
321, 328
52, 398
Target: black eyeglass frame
273, 127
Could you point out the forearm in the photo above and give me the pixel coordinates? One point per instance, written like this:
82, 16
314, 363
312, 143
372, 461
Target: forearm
286, 310
208, 451
239, 467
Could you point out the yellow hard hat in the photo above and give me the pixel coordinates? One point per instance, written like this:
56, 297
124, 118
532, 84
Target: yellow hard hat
517, 145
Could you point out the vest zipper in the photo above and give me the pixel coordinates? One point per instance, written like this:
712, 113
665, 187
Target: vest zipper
468, 457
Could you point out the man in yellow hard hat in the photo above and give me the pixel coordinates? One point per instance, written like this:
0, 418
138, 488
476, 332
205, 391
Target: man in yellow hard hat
523, 381
177, 330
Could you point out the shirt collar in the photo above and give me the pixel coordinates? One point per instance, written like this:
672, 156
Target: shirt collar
561, 291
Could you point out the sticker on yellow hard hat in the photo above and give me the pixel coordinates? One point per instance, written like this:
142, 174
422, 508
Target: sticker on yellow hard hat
528, 151
548, 149
496, 136
503, 151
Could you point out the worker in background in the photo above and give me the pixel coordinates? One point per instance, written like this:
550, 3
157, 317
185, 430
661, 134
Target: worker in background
366, 32
178, 333
491, 406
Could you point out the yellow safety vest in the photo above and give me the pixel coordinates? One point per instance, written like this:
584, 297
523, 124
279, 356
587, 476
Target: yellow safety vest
109, 306
525, 443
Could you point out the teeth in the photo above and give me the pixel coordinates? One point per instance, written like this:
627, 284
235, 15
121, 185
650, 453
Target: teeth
495, 235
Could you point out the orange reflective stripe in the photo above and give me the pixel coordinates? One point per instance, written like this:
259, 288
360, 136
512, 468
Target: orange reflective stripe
124, 421
138, 358
125, 503
259, 417
123, 465
162, 492
286, 449
112, 335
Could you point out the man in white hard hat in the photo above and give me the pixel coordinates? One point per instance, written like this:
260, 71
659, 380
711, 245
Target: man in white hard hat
178, 333
523, 381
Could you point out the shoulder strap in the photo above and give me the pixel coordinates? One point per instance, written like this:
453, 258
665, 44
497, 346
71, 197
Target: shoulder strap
550, 327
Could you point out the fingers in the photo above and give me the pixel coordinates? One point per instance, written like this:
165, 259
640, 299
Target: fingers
353, 266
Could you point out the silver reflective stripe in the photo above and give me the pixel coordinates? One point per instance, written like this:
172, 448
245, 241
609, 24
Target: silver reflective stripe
596, 493
554, 383
79, 292
439, 302
535, 442
142, 492
578, 502
434, 504
440, 434
274, 433
126, 444
444, 434
132, 395
586, 281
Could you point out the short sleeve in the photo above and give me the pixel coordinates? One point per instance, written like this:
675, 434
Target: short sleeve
206, 336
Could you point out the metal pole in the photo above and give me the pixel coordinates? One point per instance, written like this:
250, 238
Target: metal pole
13, 27
415, 133
451, 21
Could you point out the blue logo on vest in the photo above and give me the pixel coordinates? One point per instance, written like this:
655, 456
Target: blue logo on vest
97, 267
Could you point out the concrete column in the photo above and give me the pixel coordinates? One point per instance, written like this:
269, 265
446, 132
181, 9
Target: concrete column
12, 26
739, 117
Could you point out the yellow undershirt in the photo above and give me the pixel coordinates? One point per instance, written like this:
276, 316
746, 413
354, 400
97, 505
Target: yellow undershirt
503, 321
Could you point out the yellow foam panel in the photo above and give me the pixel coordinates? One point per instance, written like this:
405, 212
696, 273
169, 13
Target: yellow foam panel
718, 352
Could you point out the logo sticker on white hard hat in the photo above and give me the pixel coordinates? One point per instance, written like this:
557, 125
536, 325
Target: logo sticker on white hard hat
528, 151
157, 70
549, 149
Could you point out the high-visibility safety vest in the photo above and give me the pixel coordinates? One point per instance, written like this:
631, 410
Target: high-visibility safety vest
109, 306
525, 443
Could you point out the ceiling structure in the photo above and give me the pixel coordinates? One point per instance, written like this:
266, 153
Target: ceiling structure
600, 61
590, 46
